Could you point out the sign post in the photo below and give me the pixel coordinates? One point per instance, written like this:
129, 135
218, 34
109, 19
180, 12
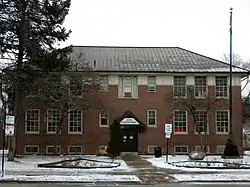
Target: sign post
168, 131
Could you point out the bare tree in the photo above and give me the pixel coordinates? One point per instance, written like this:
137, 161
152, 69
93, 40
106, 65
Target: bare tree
198, 107
74, 89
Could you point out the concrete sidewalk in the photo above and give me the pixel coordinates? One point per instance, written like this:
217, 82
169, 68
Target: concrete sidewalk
146, 172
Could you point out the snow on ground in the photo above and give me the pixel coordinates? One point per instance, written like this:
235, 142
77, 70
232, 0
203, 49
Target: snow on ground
90, 178
204, 174
25, 168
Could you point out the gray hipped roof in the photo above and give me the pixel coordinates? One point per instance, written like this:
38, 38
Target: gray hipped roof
150, 59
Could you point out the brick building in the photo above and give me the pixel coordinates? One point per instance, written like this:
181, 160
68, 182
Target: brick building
142, 86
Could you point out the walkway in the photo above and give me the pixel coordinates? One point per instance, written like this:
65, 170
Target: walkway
146, 172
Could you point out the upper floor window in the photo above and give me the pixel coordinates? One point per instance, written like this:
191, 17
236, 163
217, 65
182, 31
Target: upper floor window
53, 120
75, 88
222, 122
179, 88
128, 87
103, 118
151, 117
75, 121
151, 83
221, 86
104, 83
200, 86
201, 121
32, 121
180, 121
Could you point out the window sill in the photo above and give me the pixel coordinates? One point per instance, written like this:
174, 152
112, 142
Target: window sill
222, 97
104, 90
153, 91
127, 98
52, 133
222, 133
200, 98
32, 133
75, 133
104, 126
152, 126
180, 133
203, 133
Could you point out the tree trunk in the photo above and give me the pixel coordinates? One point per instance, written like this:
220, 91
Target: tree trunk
58, 131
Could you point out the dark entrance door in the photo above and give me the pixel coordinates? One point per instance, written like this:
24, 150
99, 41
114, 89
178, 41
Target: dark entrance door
129, 138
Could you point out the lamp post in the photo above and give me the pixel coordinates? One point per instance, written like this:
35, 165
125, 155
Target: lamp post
230, 83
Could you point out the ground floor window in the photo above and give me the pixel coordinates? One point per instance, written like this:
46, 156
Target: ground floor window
50, 149
75, 149
31, 149
181, 149
151, 149
102, 149
198, 148
220, 149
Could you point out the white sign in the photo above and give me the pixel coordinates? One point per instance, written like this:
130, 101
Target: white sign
9, 130
168, 136
129, 121
10, 120
168, 128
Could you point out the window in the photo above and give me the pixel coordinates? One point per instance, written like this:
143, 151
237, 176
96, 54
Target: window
222, 122
50, 149
198, 148
151, 149
103, 118
200, 86
201, 121
128, 87
179, 86
151, 117
180, 149
104, 83
53, 120
75, 88
102, 149
220, 149
180, 121
221, 86
151, 83
75, 121
32, 119
31, 149
75, 149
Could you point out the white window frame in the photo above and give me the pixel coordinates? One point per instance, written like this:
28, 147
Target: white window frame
148, 117
102, 149
69, 132
200, 88
134, 87
71, 146
26, 146
177, 86
216, 86
51, 146
206, 124
38, 122
52, 121
181, 147
104, 83
199, 147
224, 126
124, 86
151, 147
218, 147
186, 132
151, 87
101, 117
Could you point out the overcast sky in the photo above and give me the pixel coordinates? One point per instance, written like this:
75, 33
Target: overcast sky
201, 26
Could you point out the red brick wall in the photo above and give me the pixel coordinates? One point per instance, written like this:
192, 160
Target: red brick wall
161, 100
